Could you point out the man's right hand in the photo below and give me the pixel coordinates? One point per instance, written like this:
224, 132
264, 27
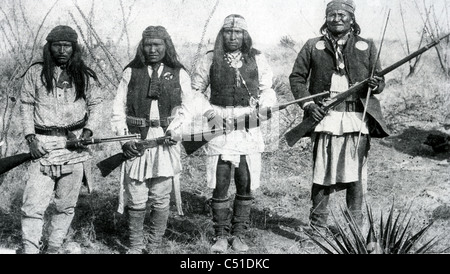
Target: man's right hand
215, 120
130, 150
37, 149
315, 111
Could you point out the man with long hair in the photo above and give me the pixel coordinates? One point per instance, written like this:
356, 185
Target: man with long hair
334, 62
240, 81
58, 103
149, 102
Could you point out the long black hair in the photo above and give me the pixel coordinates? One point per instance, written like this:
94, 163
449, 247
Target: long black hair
170, 58
76, 69
355, 28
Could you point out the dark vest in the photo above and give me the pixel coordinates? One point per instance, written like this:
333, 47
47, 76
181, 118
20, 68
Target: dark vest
138, 103
224, 91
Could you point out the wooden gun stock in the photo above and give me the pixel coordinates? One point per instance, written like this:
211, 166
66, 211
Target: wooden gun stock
109, 164
8, 163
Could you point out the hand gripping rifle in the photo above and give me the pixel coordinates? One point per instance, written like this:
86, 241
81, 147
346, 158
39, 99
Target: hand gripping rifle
109, 164
11, 162
308, 124
193, 142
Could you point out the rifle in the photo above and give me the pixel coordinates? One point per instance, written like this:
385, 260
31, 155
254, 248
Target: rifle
309, 123
8, 163
109, 164
193, 142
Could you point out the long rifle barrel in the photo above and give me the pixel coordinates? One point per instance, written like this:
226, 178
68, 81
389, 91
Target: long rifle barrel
411, 56
285, 105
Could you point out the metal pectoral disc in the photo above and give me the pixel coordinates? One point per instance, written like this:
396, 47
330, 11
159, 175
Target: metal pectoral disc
236, 64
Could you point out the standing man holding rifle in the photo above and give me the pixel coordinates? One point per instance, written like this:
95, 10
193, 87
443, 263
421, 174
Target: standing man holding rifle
153, 86
59, 103
334, 62
240, 80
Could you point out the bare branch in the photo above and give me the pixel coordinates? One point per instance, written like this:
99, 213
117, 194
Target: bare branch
90, 51
38, 30
108, 54
200, 45
25, 20
125, 28
12, 32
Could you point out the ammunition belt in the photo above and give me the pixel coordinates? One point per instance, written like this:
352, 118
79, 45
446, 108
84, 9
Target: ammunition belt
142, 122
60, 131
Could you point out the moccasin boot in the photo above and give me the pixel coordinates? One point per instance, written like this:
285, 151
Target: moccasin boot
221, 214
157, 227
240, 222
136, 230
220, 246
238, 244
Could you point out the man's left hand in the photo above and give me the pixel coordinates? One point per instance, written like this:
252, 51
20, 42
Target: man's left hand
374, 82
86, 134
172, 138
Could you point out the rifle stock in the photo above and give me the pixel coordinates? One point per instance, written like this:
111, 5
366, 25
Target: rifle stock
307, 125
300, 131
11, 162
109, 164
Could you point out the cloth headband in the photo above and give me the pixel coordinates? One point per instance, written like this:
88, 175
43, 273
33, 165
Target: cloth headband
157, 32
347, 5
235, 21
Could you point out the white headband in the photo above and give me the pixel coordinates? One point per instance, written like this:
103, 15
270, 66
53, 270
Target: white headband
235, 21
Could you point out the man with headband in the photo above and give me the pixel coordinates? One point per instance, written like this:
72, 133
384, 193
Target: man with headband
334, 62
149, 102
240, 80
58, 102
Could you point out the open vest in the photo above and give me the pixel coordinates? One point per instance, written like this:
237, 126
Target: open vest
225, 92
139, 104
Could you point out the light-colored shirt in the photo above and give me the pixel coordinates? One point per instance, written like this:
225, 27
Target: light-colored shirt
57, 108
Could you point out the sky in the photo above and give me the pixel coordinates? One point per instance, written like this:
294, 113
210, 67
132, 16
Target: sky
268, 20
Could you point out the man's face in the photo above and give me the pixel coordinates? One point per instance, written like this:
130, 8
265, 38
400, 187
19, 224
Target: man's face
154, 50
233, 39
339, 22
61, 52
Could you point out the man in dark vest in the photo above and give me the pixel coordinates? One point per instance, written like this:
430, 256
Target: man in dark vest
60, 101
240, 79
334, 62
152, 89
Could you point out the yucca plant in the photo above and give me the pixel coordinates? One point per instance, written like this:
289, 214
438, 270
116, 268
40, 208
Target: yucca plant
391, 237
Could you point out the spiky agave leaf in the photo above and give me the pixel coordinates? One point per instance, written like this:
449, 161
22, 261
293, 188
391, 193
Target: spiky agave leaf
359, 240
372, 241
413, 240
386, 232
346, 240
394, 237
400, 242
312, 237
427, 246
